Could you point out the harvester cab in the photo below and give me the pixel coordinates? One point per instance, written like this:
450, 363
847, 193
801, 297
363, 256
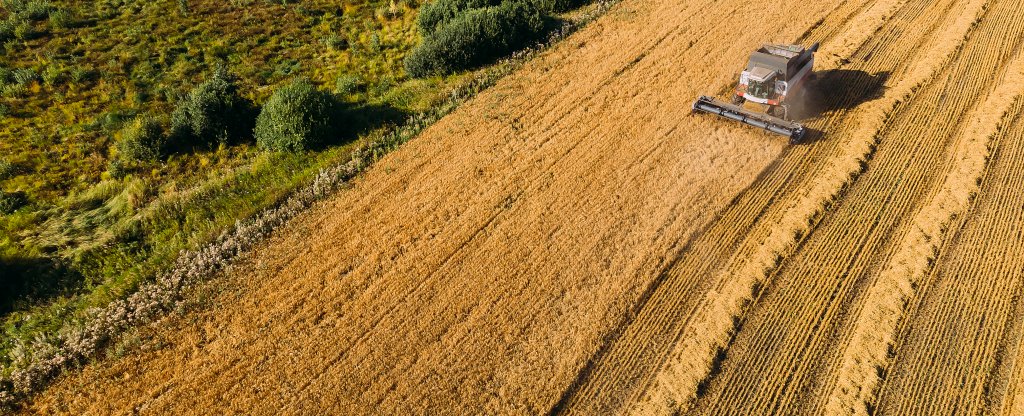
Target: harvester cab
775, 75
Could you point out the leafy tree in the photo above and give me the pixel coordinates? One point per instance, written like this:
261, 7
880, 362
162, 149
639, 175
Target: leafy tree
213, 113
142, 140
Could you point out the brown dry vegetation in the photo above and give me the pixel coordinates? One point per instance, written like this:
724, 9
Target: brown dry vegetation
571, 241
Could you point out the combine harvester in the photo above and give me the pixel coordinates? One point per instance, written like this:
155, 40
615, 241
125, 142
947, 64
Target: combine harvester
773, 73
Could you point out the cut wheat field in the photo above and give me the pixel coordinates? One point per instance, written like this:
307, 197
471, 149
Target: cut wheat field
574, 241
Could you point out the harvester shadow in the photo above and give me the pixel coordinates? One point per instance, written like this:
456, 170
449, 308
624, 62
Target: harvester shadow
836, 90
840, 89
355, 119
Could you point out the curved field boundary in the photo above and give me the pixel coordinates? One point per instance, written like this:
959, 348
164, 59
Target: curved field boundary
479, 267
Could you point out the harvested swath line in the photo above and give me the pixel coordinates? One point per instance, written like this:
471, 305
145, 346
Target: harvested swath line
865, 357
807, 303
827, 28
957, 344
636, 344
713, 326
1013, 402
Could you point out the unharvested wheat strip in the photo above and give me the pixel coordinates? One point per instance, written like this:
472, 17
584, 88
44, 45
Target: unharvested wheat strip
875, 328
710, 331
858, 31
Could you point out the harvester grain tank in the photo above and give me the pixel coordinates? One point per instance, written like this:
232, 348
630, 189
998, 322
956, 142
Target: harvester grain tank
775, 76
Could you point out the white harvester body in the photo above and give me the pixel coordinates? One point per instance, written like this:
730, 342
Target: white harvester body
773, 77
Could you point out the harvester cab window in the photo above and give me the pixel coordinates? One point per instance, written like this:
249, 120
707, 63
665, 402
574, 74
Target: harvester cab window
761, 89
762, 82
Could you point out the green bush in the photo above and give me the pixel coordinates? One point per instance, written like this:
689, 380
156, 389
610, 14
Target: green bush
81, 74
347, 84
14, 90
7, 29
36, 9
53, 75
23, 30
61, 18
11, 201
142, 140
116, 169
6, 169
439, 12
213, 113
558, 6
25, 76
297, 117
28, 9
335, 42
476, 37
